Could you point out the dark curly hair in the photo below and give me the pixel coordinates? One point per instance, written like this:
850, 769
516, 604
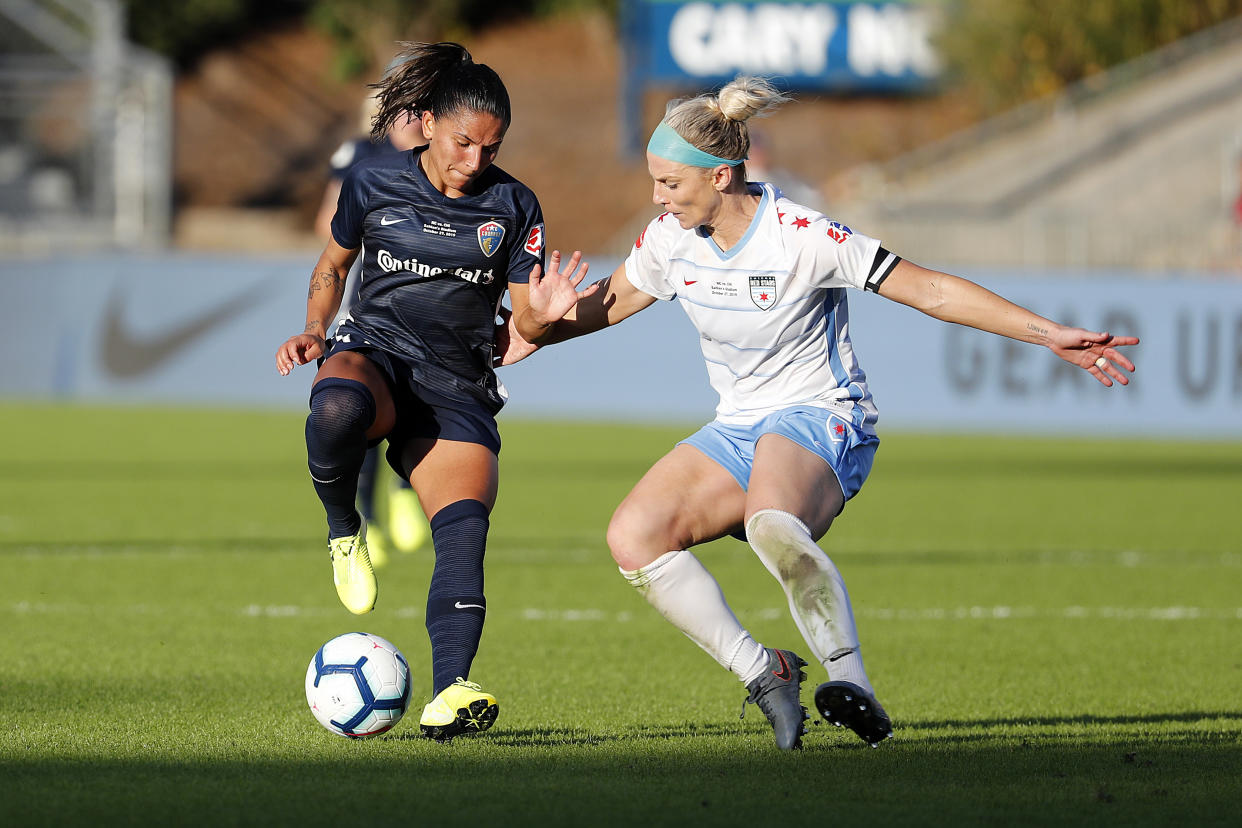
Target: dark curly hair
440, 78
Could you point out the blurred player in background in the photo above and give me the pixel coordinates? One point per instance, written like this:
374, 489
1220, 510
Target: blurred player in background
763, 280
403, 525
443, 232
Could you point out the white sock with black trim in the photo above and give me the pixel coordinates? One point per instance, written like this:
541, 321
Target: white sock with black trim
684, 592
818, 600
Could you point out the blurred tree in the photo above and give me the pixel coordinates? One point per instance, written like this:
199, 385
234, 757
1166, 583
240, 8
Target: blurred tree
186, 29
1009, 51
367, 31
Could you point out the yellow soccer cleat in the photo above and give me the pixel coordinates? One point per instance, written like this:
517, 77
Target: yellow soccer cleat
407, 527
352, 572
462, 707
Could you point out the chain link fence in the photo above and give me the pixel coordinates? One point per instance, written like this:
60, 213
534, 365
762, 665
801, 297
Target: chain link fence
85, 131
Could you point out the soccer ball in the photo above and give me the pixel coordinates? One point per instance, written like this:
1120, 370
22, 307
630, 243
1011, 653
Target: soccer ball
358, 685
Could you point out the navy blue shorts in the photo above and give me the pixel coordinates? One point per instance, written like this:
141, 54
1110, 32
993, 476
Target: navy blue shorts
423, 412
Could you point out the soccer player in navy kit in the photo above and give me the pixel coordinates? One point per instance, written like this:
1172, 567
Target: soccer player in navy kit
403, 525
443, 234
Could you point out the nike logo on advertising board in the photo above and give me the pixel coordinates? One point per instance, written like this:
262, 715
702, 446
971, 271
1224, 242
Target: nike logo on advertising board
386, 221
126, 354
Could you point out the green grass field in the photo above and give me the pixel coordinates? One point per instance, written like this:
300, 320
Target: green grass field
1055, 626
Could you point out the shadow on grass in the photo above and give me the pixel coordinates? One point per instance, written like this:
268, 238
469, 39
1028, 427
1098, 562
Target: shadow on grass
569, 737
1157, 771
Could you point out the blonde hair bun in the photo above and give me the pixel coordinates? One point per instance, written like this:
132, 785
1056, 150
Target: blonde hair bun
747, 96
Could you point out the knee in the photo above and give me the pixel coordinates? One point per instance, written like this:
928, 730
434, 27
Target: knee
774, 525
620, 538
340, 408
636, 539
783, 541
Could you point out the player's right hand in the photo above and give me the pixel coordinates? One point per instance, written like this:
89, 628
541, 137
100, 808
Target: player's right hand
298, 349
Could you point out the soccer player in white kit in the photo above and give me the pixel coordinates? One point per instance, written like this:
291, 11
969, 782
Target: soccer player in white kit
764, 281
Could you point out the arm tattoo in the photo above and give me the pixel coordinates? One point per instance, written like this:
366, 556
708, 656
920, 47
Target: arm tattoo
313, 327
1031, 326
329, 279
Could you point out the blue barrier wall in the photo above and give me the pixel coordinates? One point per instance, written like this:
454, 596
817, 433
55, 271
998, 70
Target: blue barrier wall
197, 329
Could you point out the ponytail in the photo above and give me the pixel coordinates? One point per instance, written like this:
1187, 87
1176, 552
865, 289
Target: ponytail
440, 78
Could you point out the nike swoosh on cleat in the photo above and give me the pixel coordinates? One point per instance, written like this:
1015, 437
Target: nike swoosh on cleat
460, 605
784, 673
126, 354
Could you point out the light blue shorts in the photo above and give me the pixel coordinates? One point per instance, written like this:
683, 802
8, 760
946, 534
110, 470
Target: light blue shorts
847, 449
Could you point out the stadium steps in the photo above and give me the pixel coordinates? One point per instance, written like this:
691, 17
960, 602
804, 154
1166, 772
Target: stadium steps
1134, 168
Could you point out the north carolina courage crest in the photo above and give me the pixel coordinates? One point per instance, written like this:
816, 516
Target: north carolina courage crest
763, 291
490, 235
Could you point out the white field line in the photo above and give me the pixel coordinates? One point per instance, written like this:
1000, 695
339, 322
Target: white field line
591, 615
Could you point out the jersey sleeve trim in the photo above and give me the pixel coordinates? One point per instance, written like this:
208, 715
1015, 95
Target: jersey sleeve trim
881, 266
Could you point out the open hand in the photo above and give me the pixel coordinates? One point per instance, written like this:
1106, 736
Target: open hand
554, 294
1094, 352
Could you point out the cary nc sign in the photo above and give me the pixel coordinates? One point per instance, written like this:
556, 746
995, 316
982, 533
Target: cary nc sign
834, 46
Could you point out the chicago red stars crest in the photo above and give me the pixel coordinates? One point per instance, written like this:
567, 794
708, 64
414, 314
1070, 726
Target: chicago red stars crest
836, 429
763, 291
490, 235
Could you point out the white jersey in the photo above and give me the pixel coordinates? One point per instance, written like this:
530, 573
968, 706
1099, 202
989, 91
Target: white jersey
771, 311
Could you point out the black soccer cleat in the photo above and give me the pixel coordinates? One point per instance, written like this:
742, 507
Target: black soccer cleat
845, 704
777, 692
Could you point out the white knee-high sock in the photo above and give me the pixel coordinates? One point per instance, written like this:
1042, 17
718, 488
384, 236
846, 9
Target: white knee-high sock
817, 597
680, 587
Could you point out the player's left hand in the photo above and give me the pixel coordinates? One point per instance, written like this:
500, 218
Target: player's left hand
555, 292
510, 346
1094, 352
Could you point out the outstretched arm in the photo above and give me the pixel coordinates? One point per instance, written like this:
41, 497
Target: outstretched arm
953, 299
327, 286
550, 309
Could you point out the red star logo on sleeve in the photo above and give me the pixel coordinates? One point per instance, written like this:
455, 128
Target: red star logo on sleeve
801, 222
839, 429
780, 216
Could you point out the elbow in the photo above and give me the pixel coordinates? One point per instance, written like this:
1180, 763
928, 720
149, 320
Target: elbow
934, 299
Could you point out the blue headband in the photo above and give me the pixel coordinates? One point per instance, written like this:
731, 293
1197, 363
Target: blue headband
667, 144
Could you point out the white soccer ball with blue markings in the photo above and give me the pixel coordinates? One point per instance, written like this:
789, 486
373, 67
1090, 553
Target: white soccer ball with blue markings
358, 685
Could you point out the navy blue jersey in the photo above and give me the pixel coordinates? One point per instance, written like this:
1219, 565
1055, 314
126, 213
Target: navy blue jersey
435, 268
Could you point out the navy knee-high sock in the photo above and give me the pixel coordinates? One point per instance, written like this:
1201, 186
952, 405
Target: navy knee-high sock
336, 439
455, 603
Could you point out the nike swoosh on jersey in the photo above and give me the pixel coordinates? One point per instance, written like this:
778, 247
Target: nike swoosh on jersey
460, 605
126, 354
688, 282
386, 221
